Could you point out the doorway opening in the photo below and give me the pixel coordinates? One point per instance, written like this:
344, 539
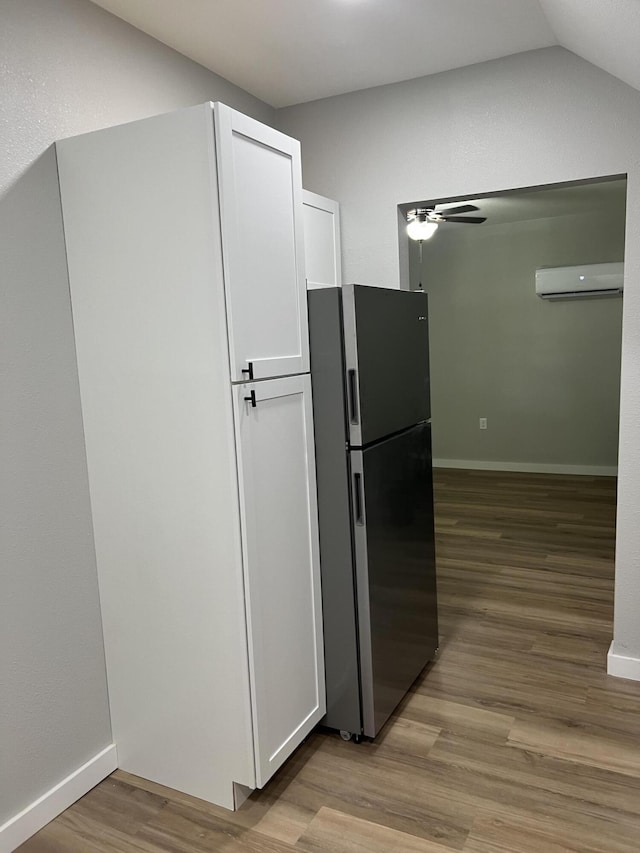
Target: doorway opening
525, 406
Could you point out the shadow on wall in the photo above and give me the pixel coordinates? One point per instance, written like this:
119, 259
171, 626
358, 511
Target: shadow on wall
54, 711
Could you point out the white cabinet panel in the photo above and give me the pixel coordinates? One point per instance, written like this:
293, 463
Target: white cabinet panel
282, 572
170, 303
321, 241
143, 249
260, 184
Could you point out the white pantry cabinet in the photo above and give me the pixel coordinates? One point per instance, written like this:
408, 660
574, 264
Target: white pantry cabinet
204, 505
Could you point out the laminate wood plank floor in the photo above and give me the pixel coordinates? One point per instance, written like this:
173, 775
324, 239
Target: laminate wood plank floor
514, 741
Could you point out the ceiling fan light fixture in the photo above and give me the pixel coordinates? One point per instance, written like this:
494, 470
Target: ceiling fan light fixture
421, 229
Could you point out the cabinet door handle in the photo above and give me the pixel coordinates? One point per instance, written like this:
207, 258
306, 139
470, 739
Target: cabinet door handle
252, 399
353, 403
357, 488
248, 370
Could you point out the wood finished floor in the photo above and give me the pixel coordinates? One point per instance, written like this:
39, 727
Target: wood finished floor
514, 741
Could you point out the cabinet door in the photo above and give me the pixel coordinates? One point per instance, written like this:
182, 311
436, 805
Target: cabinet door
260, 189
281, 565
321, 241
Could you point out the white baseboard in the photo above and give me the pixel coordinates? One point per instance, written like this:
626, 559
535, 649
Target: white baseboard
621, 666
26, 823
528, 467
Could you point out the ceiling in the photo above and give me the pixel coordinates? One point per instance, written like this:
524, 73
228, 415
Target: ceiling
290, 51
604, 32
603, 197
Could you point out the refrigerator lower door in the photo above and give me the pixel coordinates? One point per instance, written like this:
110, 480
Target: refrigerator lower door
392, 494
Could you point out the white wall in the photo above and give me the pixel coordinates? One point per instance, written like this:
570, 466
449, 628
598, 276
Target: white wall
537, 118
545, 374
67, 67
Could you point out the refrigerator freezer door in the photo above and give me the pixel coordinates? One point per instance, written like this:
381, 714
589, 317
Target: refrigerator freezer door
387, 355
392, 492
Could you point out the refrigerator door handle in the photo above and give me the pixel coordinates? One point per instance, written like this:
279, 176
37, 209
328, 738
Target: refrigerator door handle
353, 404
357, 488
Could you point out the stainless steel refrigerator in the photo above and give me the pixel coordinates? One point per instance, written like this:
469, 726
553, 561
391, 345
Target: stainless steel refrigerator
370, 379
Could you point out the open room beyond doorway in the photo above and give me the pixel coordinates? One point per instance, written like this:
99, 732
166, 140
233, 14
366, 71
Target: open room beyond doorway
544, 375
527, 390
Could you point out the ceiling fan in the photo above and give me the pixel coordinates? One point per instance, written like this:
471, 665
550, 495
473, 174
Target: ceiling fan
423, 221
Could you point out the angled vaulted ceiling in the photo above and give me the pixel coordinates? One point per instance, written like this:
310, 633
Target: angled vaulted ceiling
289, 51
604, 32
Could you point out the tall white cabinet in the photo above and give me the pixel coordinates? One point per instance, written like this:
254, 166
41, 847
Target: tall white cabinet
186, 266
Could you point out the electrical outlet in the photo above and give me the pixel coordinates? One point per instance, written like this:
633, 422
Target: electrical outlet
483, 423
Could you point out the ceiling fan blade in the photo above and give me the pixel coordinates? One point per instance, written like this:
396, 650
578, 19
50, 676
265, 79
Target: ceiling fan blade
453, 211
477, 219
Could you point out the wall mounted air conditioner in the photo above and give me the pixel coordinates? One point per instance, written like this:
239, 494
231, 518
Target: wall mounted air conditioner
580, 282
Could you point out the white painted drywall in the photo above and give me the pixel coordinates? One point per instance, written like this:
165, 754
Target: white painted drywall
66, 67
536, 118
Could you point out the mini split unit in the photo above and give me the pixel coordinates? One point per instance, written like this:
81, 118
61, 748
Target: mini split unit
580, 282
